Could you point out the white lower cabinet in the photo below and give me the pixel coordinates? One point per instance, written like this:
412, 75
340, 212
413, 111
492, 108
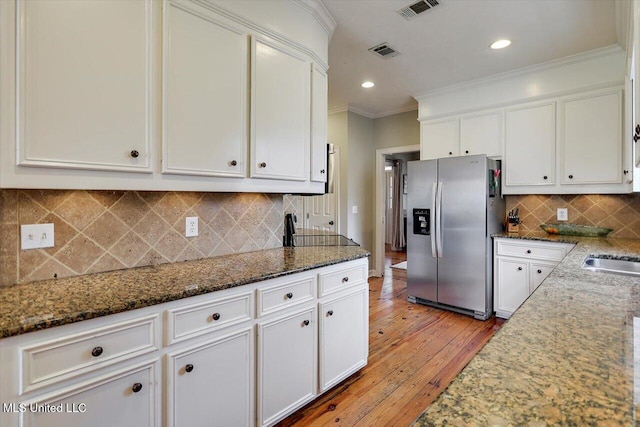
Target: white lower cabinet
236, 357
210, 384
520, 266
287, 364
344, 334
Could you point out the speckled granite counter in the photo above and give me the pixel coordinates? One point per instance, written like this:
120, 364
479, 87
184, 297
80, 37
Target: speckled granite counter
566, 356
39, 305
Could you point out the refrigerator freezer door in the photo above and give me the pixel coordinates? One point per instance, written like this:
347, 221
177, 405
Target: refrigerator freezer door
422, 266
463, 232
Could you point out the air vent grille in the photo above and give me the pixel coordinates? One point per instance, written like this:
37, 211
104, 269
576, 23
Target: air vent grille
384, 50
415, 9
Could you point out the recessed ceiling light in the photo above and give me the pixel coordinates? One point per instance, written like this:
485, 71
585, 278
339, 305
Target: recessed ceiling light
368, 84
500, 44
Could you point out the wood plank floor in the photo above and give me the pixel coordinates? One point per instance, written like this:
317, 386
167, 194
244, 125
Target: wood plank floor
414, 353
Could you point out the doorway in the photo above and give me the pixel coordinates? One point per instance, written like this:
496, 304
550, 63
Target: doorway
404, 154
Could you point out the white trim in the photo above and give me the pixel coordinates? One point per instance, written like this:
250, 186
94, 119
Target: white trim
321, 14
362, 112
369, 114
556, 63
338, 109
396, 111
378, 232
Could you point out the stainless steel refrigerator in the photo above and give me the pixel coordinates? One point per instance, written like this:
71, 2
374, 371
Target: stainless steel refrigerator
454, 205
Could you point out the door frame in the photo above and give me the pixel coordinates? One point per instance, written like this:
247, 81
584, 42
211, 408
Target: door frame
379, 228
336, 193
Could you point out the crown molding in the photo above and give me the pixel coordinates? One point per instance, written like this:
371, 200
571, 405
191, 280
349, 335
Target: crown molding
366, 113
555, 63
320, 13
338, 109
397, 111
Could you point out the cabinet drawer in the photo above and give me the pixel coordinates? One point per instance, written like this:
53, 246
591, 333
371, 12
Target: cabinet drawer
66, 357
337, 280
274, 298
197, 319
552, 251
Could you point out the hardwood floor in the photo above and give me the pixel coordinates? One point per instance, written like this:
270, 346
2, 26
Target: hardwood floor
414, 353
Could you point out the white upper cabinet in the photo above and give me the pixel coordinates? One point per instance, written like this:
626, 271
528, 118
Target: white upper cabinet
482, 134
530, 146
205, 94
439, 139
84, 84
591, 138
319, 112
280, 111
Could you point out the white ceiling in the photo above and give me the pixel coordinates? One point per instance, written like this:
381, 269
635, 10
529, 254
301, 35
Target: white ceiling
450, 44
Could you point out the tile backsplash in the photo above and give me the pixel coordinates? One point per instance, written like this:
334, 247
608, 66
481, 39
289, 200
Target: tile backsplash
619, 212
108, 230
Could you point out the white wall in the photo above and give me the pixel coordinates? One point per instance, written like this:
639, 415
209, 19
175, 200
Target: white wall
397, 130
337, 126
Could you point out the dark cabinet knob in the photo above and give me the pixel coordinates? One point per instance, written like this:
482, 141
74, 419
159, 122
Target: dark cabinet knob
136, 387
466, 152
305, 323
321, 170
97, 351
189, 367
528, 251
637, 129
625, 172
570, 176
450, 153
289, 295
263, 165
539, 271
345, 279
330, 222
330, 313
134, 154
636, 137
233, 163
544, 177
216, 316
519, 268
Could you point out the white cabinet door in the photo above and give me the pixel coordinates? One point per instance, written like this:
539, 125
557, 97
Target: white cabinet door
280, 112
482, 134
513, 285
204, 94
636, 79
344, 336
287, 364
538, 272
530, 147
439, 139
211, 384
85, 83
319, 114
591, 139
123, 398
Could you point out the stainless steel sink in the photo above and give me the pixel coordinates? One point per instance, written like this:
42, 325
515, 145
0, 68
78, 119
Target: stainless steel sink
612, 264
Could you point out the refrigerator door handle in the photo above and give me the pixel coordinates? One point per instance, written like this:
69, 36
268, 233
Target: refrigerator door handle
439, 220
432, 220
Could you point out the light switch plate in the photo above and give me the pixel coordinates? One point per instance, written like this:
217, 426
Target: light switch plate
562, 214
354, 209
35, 236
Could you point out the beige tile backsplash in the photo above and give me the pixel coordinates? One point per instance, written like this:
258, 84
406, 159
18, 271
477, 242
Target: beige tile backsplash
108, 230
619, 212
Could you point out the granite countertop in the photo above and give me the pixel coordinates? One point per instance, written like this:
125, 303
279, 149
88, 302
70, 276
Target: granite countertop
566, 356
44, 304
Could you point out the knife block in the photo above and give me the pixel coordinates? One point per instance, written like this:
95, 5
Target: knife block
512, 228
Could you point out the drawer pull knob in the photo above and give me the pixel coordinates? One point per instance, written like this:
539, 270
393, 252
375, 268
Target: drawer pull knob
233, 163
539, 271
544, 177
263, 165
134, 154
216, 316
305, 323
528, 251
321, 170
136, 387
330, 313
189, 367
519, 268
466, 152
570, 176
345, 279
97, 351
450, 153
289, 295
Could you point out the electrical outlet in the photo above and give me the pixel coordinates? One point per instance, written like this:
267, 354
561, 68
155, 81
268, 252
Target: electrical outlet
34, 236
562, 214
191, 227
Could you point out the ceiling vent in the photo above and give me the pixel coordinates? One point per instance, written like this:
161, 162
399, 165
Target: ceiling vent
384, 50
417, 8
